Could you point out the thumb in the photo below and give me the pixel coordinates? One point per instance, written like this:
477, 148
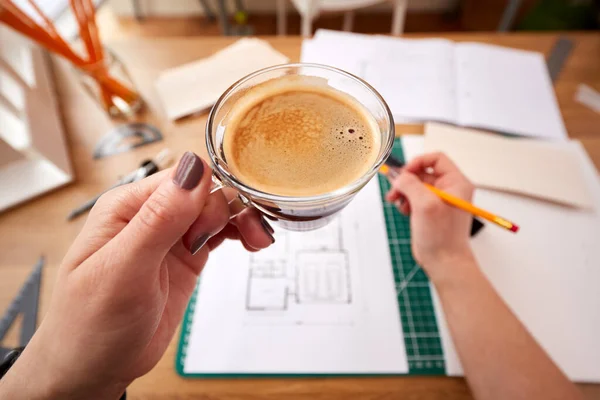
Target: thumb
169, 211
413, 189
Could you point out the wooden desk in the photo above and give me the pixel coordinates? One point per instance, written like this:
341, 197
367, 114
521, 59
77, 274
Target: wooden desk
39, 227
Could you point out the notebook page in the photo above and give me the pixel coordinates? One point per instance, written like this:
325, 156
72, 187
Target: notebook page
506, 90
344, 50
547, 273
416, 77
314, 302
350, 52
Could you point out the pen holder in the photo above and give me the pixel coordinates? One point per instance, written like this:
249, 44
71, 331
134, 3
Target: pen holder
111, 86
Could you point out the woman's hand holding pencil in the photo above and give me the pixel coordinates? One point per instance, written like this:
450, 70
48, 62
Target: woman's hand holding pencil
464, 205
436, 195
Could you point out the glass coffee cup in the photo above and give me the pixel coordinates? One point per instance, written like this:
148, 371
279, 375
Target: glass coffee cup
297, 213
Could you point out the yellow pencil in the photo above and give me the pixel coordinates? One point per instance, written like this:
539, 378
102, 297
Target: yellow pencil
459, 203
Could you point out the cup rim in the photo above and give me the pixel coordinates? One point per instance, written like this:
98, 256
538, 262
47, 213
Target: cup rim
341, 192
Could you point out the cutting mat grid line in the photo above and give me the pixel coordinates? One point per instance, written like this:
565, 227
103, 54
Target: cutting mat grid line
419, 324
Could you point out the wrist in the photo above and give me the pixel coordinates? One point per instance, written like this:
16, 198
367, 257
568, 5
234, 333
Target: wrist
452, 268
35, 375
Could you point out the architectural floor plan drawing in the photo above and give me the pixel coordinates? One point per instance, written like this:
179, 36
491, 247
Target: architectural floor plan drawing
301, 271
322, 301
322, 278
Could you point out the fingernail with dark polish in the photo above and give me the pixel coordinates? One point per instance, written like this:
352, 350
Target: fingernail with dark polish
189, 171
268, 229
199, 243
266, 225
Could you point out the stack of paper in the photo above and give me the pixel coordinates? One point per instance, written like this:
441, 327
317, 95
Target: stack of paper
196, 86
469, 84
547, 171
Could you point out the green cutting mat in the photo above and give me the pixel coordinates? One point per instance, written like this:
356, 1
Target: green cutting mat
421, 336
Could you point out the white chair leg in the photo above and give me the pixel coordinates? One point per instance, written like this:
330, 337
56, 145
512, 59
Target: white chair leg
306, 25
281, 18
399, 16
348, 20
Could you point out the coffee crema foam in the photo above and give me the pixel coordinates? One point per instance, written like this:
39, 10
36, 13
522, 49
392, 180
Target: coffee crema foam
297, 136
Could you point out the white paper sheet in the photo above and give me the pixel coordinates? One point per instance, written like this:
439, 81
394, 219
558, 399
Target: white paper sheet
548, 273
350, 52
196, 86
416, 77
507, 90
320, 302
546, 170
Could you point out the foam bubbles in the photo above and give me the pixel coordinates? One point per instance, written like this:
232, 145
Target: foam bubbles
301, 141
